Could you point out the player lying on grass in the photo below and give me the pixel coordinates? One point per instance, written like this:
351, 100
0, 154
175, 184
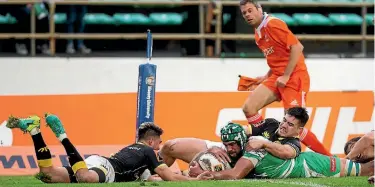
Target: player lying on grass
284, 134
361, 149
265, 165
126, 165
288, 79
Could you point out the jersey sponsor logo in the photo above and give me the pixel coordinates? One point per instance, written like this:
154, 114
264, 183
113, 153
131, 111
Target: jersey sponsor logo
134, 148
332, 164
268, 51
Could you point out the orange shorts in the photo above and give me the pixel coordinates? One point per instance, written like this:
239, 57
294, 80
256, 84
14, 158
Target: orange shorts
295, 91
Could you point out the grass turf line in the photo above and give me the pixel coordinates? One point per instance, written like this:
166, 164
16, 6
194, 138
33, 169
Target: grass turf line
23, 181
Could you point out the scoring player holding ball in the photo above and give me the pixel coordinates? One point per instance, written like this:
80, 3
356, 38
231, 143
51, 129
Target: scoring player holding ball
288, 79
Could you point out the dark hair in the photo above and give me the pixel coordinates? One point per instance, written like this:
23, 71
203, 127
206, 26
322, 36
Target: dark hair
254, 2
147, 130
350, 142
299, 113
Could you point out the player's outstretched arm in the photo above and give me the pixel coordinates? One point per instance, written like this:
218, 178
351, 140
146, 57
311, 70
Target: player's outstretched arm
366, 141
164, 171
240, 170
167, 175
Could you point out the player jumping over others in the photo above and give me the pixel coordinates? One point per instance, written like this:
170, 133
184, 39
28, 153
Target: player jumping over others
287, 79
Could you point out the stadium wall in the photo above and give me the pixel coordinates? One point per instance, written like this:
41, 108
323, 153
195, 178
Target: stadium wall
96, 99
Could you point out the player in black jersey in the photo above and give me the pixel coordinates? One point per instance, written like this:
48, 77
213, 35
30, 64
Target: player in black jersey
126, 165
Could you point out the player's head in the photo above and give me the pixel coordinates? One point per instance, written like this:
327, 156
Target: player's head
294, 121
350, 144
234, 139
150, 133
365, 155
251, 11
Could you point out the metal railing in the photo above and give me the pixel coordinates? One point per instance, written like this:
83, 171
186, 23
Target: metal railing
218, 36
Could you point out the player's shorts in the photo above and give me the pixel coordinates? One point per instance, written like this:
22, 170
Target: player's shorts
96, 161
211, 144
295, 92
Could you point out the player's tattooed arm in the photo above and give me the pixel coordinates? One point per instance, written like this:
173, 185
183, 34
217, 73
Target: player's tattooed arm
242, 168
286, 151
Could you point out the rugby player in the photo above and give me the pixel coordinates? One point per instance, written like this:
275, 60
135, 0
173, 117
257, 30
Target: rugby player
284, 135
265, 165
128, 164
287, 79
361, 149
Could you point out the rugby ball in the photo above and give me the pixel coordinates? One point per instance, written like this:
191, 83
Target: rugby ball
209, 162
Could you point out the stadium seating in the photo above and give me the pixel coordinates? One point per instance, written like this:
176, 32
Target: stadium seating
177, 19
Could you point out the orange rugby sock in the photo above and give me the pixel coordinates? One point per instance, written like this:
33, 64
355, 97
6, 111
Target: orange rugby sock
309, 139
255, 119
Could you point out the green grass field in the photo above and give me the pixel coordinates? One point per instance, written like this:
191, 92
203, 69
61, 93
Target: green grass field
316, 182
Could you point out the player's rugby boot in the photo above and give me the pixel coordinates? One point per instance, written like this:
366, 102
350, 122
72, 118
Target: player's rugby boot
25, 124
55, 124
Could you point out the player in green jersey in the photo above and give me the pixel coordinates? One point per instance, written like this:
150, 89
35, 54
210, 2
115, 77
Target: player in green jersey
265, 165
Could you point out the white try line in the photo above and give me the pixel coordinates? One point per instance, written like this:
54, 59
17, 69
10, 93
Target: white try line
309, 184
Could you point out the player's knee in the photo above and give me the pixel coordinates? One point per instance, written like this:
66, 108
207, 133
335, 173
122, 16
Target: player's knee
249, 109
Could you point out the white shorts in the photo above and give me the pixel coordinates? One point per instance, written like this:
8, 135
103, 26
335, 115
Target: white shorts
96, 161
211, 144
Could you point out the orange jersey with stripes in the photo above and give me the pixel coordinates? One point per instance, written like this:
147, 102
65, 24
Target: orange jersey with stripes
274, 39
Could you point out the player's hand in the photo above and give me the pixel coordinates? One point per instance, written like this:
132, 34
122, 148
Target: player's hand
371, 180
260, 79
282, 80
220, 154
205, 176
195, 170
255, 144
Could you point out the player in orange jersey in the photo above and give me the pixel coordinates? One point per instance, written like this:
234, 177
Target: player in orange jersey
288, 79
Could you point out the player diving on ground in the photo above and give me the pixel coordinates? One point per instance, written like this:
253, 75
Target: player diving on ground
128, 164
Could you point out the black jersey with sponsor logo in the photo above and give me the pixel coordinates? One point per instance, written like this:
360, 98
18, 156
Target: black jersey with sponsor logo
130, 162
269, 129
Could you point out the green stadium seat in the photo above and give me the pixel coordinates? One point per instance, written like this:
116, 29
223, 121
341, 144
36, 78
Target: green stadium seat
366, 1
311, 19
3, 20
293, 1
287, 19
98, 19
345, 19
335, 1
7, 19
166, 18
370, 19
131, 19
226, 18
60, 18
158, 5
